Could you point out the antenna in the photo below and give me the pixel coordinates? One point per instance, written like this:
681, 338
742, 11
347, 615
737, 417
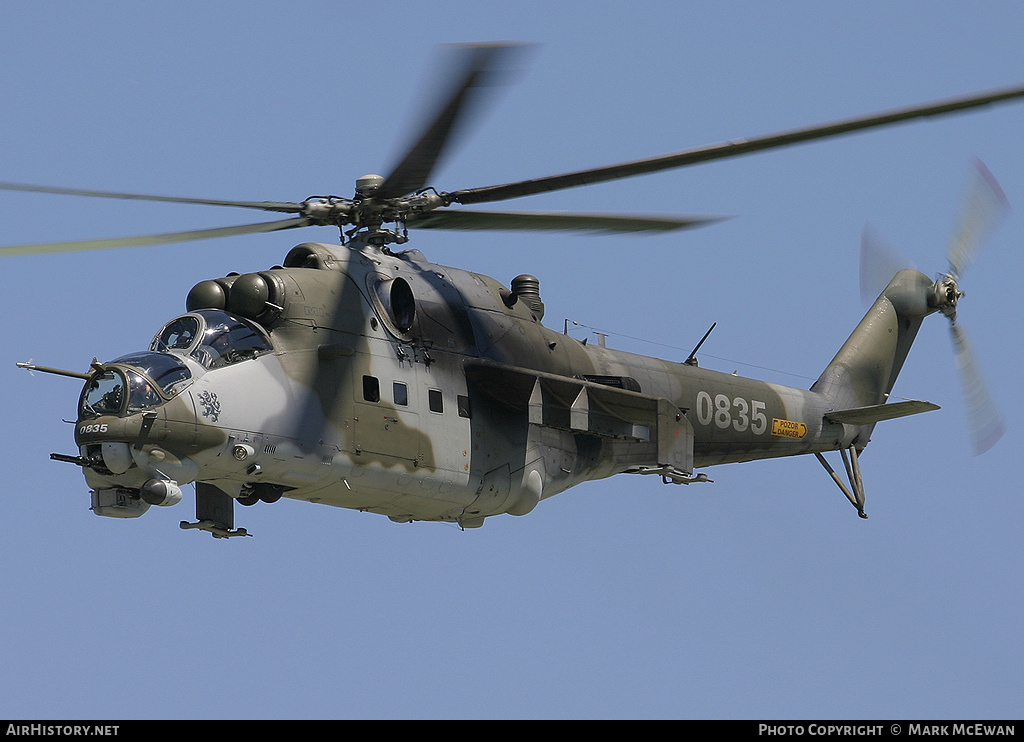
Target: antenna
692, 359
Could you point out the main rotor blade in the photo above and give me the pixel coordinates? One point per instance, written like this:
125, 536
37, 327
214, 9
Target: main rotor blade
508, 220
286, 206
478, 70
987, 426
155, 239
983, 206
726, 149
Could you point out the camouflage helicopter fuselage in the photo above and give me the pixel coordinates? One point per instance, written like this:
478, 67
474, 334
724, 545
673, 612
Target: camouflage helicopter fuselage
358, 378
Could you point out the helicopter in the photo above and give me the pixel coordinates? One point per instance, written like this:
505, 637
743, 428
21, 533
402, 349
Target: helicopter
361, 375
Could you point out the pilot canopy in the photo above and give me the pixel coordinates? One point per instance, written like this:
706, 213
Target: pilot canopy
212, 337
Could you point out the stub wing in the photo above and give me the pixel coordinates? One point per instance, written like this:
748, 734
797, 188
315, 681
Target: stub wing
640, 431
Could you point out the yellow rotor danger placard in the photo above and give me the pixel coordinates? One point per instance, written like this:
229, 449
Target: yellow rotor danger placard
788, 428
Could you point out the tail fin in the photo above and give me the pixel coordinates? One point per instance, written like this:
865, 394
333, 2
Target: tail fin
864, 370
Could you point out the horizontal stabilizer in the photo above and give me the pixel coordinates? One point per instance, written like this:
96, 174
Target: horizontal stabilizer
878, 412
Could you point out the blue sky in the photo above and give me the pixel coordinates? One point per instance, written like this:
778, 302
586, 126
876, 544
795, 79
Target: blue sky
759, 596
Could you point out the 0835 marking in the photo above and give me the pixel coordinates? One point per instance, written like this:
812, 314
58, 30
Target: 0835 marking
737, 413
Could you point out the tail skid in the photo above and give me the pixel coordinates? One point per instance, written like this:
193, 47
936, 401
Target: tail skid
851, 461
853, 474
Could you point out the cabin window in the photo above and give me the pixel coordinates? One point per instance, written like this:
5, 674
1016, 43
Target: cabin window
435, 401
401, 392
464, 409
371, 389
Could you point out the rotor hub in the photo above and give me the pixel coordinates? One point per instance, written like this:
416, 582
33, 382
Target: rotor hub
946, 294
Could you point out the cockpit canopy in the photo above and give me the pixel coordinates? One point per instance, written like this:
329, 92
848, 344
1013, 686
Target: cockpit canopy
147, 377
212, 337
139, 381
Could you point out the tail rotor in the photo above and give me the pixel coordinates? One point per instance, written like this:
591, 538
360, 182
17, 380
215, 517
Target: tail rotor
986, 425
984, 205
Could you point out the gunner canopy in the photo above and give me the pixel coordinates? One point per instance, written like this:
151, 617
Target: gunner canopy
144, 375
